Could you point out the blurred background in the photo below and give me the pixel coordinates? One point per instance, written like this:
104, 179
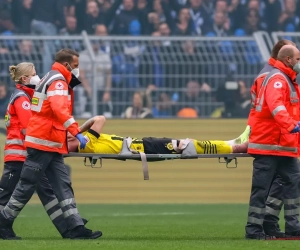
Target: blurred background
149, 58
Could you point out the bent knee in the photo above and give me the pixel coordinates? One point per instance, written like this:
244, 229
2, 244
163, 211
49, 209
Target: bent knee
100, 118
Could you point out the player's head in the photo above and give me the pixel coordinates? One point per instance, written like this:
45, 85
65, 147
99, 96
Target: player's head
72, 143
70, 59
290, 56
279, 45
24, 73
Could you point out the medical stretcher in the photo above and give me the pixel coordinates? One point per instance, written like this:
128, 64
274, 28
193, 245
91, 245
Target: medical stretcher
90, 159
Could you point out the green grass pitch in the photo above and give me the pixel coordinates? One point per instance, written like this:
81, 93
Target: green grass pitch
213, 200
134, 226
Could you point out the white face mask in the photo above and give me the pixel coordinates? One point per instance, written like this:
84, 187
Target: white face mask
75, 72
35, 80
296, 67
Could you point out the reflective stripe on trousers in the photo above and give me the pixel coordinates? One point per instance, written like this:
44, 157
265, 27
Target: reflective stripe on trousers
272, 147
274, 201
289, 212
55, 214
255, 212
67, 202
13, 208
295, 201
272, 211
70, 212
254, 220
51, 204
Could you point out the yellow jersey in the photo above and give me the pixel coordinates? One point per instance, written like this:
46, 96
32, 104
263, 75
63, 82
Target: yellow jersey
108, 144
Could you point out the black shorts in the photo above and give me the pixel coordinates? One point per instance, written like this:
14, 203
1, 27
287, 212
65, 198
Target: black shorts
154, 145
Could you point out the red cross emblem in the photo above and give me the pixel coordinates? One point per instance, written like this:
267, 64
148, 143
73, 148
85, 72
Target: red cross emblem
59, 85
277, 85
26, 105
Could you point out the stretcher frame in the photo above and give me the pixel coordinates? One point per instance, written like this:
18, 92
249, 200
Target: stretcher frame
93, 158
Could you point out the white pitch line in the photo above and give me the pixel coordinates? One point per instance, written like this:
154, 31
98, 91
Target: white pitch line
121, 214
143, 214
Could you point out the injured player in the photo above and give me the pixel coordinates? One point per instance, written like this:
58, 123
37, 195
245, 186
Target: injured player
100, 143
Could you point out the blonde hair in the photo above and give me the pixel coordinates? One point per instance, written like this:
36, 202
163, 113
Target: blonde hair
22, 69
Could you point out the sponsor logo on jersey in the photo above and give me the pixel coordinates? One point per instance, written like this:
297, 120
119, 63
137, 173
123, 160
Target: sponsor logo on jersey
170, 146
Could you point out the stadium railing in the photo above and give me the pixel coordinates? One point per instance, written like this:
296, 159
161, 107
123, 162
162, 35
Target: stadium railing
135, 63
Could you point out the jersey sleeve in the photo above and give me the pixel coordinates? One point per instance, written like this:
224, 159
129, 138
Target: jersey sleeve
275, 94
57, 95
22, 108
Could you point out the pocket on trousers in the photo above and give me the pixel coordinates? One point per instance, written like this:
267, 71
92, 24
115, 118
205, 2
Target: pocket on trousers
31, 172
9, 180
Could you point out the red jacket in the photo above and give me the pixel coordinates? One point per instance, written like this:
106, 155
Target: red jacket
52, 108
276, 115
257, 84
16, 120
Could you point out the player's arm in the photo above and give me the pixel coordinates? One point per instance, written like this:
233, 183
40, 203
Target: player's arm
96, 123
275, 92
23, 111
57, 95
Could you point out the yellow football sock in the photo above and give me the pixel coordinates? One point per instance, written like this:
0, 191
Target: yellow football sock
244, 137
212, 147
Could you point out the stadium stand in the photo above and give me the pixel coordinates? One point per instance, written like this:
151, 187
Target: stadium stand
178, 54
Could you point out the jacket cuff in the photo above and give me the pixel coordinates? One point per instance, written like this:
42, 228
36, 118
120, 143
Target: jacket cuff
290, 128
74, 130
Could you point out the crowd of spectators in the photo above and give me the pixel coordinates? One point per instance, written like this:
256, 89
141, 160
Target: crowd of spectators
143, 17
161, 78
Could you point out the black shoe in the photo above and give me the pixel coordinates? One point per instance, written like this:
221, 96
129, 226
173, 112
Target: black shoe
7, 233
274, 231
293, 234
66, 235
259, 236
82, 232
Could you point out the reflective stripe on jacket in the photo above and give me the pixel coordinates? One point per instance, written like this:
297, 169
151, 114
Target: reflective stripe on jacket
257, 84
16, 120
276, 114
52, 109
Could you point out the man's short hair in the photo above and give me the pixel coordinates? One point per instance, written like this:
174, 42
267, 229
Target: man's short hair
65, 55
279, 45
